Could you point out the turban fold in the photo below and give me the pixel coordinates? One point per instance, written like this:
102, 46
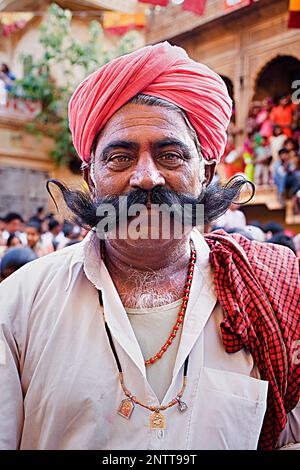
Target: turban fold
162, 71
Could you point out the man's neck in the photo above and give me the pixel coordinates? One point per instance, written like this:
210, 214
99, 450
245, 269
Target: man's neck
148, 274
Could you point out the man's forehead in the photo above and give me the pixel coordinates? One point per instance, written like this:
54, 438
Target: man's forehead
142, 122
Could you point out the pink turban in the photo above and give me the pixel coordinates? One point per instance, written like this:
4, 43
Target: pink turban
163, 71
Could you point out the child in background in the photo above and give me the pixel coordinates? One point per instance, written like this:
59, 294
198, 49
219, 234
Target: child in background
262, 160
276, 142
280, 172
248, 156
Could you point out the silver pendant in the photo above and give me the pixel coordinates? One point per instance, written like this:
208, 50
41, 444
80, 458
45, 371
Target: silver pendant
182, 406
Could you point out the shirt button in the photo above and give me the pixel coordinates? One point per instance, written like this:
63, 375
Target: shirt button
160, 434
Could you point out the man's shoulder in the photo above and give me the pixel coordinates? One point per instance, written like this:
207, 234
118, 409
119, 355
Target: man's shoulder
275, 267
262, 256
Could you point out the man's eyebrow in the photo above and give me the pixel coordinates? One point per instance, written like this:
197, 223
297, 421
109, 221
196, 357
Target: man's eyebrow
132, 145
160, 144
116, 144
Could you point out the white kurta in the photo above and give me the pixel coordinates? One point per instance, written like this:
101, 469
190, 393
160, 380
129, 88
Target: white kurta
54, 354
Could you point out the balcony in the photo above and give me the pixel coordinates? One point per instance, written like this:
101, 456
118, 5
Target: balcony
265, 205
17, 109
173, 22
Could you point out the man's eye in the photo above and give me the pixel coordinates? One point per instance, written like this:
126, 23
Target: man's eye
170, 157
119, 160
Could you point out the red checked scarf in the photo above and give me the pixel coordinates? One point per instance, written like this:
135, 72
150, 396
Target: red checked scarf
260, 295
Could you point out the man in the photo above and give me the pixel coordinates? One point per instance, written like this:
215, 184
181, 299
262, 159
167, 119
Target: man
39, 216
13, 225
233, 218
151, 342
262, 160
33, 232
54, 235
14, 259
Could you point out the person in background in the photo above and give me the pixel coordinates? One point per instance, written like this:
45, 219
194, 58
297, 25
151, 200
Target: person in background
73, 234
281, 170
33, 232
248, 156
7, 76
3, 93
256, 233
284, 240
232, 159
262, 160
54, 231
2, 228
272, 228
296, 241
13, 225
276, 143
263, 120
292, 146
13, 241
233, 218
14, 259
2, 241
254, 110
282, 115
296, 202
39, 216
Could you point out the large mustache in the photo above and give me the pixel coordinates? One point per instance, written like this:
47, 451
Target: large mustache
215, 198
82, 203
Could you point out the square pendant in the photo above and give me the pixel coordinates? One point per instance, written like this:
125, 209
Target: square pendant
157, 420
126, 408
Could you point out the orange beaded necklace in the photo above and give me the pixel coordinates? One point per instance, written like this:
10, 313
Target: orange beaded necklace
181, 314
182, 311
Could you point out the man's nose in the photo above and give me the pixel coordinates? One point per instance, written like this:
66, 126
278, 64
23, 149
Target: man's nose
146, 175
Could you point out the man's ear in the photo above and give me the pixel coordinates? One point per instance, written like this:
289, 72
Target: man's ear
87, 178
209, 169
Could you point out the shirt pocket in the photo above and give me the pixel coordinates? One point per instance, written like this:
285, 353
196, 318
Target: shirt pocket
230, 410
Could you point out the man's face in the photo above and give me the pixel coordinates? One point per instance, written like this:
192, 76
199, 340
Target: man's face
284, 101
32, 236
13, 226
146, 146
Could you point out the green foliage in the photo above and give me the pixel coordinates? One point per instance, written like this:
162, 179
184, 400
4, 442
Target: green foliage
52, 78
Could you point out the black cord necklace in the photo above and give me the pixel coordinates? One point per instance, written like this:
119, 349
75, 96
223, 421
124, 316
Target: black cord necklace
157, 419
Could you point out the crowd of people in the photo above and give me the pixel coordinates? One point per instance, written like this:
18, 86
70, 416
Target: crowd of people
234, 221
24, 241
270, 154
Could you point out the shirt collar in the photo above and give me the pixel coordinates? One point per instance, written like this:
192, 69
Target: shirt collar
88, 253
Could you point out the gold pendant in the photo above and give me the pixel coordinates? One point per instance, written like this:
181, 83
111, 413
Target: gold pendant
126, 408
157, 420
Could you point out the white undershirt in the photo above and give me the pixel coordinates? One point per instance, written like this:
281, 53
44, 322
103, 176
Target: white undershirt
152, 327
159, 320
